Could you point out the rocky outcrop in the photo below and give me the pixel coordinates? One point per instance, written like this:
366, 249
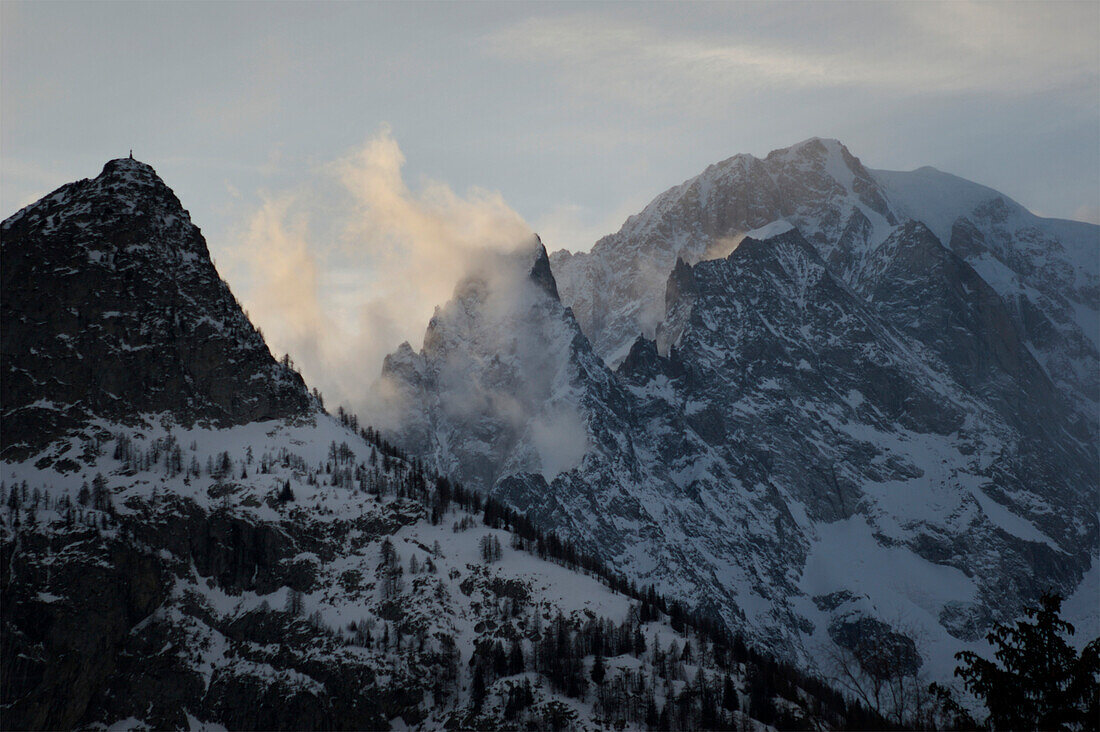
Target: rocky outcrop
65, 623
97, 624
112, 309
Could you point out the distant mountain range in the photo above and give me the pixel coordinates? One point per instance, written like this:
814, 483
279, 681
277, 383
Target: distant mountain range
816, 400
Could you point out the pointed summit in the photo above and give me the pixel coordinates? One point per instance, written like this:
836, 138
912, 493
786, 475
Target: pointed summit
828, 144
540, 271
129, 165
112, 309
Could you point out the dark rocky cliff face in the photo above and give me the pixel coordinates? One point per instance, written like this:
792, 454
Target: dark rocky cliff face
768, 339
95, 626
112, 308
57, 656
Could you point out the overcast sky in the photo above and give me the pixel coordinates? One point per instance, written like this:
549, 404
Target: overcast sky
567, 117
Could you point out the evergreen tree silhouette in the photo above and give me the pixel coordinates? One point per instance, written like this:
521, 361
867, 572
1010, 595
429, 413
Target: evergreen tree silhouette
1037, 680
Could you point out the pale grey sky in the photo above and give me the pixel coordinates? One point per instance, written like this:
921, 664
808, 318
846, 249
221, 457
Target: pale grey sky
569, 116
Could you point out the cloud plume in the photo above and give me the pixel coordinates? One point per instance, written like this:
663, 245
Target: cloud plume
339, 271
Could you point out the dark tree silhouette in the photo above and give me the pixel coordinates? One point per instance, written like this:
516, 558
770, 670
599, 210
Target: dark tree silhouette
599, 670
1037, 680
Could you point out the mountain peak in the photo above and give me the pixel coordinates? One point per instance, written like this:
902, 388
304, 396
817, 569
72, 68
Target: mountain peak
822, 154
819, 147
125, 176
541, 273
113, 309
829, 143
128, 173
128, 164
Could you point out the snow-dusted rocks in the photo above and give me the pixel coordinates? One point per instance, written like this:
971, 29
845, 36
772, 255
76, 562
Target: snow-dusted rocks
496, 389
112, 307
193, 543
1047, 271
617, 290
802, 363
311, 579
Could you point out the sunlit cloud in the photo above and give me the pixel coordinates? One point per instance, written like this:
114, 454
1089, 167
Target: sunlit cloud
277, 249
341, 270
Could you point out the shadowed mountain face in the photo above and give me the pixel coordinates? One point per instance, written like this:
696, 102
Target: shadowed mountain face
112, 308
833, 419
250, 594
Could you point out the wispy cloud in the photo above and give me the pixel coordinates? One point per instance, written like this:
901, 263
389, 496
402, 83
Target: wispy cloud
278, 251
904, 47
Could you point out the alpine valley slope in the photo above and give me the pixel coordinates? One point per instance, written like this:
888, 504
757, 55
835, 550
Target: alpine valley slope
187, 540
813, 399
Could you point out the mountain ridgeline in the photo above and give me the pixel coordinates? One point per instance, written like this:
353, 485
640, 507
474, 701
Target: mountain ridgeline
817, 401
188, 540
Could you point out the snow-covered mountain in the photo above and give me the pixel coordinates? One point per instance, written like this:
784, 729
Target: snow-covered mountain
617, 290
823, 415
187, 540
1047, 271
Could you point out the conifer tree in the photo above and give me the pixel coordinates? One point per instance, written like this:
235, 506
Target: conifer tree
1037, 680
477, 693
729, 695
599, 670
515, 659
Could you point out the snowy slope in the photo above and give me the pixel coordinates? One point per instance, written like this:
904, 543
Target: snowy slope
260, 613
1046, 270
841, 376
191, 542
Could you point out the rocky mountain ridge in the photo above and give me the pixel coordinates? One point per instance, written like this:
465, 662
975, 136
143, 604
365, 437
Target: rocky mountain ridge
823, 392
1045, 270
